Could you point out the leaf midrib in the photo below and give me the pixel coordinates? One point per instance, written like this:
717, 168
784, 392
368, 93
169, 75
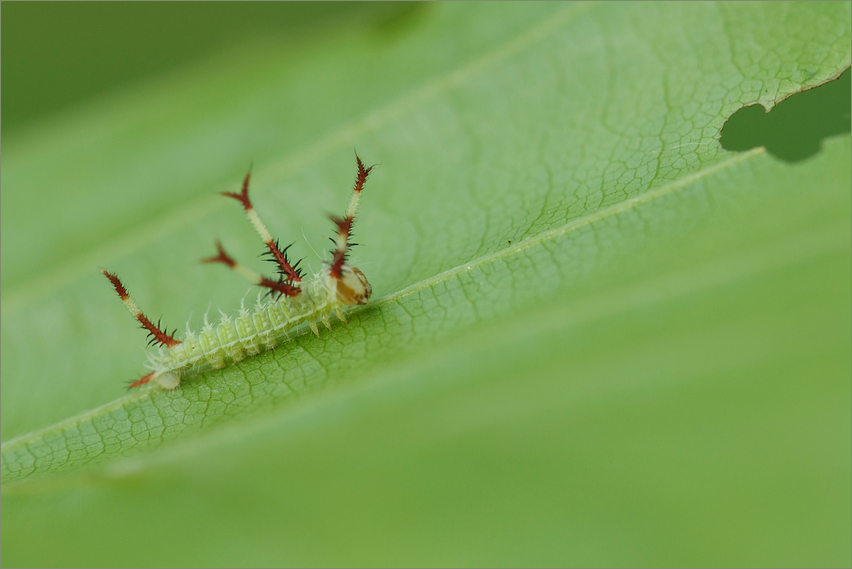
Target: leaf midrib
734, 267
440, 278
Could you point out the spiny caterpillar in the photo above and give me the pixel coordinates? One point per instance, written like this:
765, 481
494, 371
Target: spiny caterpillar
293, 301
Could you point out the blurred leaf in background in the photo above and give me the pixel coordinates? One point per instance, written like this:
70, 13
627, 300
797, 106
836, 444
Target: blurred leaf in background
57, 54
597, 337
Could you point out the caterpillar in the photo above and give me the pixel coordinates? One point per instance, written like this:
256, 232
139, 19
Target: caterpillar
293, 300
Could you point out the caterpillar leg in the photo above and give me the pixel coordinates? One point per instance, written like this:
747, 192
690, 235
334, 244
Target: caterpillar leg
339, 313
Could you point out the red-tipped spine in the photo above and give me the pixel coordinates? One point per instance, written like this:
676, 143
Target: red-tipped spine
157, 335
242, 197
290, 272
280, 286
362, 175
221, 257
142, 380
344, 224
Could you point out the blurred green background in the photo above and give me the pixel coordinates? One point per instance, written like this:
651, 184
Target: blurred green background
58, 54
600, 335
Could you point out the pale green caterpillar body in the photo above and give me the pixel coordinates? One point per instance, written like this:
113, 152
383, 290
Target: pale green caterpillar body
293, 302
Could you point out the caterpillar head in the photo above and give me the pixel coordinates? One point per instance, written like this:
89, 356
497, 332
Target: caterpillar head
352, 286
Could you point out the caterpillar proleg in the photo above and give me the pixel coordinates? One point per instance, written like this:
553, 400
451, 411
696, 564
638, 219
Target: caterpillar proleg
293, 300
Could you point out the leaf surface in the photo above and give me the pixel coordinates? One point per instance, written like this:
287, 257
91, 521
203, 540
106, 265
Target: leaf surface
597, 337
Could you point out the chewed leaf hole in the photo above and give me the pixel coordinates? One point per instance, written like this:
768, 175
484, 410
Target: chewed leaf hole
794, 129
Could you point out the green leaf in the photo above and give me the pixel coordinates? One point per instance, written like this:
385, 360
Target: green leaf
597, 338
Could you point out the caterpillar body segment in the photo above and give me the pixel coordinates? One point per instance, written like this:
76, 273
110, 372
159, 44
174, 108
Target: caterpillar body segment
291, 301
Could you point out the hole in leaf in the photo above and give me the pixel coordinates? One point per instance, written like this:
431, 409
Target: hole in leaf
793, 130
